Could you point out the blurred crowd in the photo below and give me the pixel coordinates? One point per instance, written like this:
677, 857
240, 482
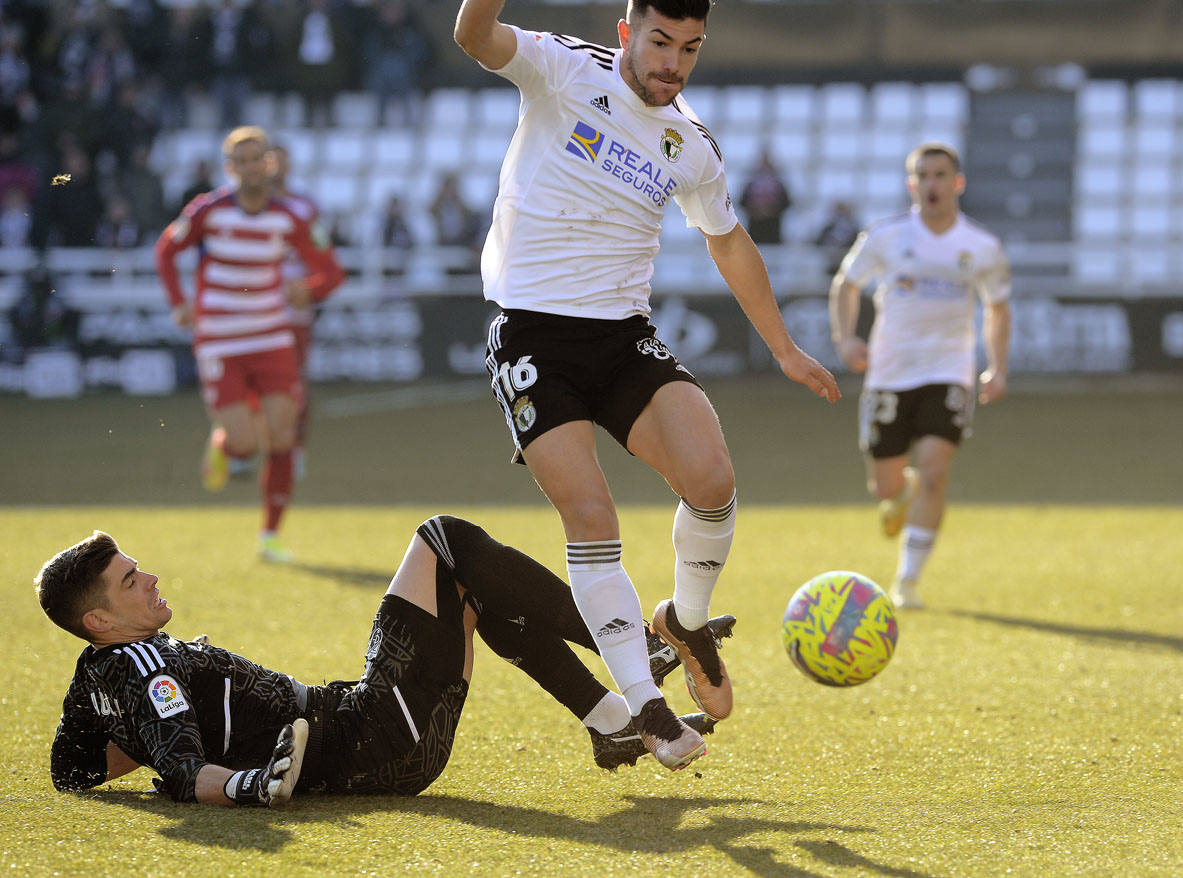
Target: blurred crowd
87, 85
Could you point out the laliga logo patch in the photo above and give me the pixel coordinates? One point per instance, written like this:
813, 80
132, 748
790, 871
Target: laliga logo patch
166, 696
671, 145
524, 414
585, 142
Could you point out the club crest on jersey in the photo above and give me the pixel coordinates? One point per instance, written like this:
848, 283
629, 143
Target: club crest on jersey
166, 696
671, 145
524, 413
585, 142
964, 260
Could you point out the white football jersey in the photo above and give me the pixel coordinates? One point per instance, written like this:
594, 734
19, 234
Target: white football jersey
926, 293
585, 183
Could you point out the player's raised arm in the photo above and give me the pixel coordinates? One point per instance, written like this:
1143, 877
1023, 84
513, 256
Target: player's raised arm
482, 36
742, 267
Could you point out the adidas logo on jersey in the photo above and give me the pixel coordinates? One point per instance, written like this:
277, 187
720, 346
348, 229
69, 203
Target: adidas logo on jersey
616, 626
601, 104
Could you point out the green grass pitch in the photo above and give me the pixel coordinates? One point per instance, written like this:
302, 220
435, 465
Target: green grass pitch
1029, 724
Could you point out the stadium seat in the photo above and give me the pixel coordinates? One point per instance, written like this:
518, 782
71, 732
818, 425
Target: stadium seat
191, 145
497, 108
479, 191
742, 105
1154, 139
1093, 223
1102, 139
837, 146
347, 148
843, 103
488, 148
1150, 221
835, 184
1157, 99
448, 108
893, 105
303, 147
706, 103
446, 150
1149, 263
1102, 100
741, 147
791, 147
891, 148
1103, 179
355, 110
393, 148
261, 109
794, 104
336, 190
291, 111
944, 103
1095, 265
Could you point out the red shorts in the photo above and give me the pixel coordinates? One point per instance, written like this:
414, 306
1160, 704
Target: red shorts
229, 380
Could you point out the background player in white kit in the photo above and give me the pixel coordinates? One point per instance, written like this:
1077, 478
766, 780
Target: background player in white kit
604, 141
930, 266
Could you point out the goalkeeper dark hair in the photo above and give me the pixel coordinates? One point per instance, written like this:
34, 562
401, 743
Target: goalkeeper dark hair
70, 583
676, 9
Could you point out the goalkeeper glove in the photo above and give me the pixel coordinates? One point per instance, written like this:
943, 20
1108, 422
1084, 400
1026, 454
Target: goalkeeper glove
272, 786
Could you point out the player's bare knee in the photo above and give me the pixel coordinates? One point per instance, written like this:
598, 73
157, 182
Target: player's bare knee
414, 581
589, 519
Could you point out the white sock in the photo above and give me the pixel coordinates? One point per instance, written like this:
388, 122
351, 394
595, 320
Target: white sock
609, 715
611, 610
915, 547
702, 540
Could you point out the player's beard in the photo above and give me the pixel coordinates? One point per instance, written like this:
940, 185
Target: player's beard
643, 91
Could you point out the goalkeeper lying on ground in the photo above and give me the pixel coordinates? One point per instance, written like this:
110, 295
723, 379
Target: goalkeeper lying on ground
220, 729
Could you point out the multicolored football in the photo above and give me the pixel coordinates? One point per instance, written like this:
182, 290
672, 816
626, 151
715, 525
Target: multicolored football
840, 628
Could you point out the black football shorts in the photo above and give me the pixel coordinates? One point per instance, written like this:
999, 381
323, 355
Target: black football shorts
549, 369
891, 420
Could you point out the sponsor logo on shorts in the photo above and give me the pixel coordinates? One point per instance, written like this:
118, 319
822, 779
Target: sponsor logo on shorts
654, 348
166, 696
524, 413
703, 565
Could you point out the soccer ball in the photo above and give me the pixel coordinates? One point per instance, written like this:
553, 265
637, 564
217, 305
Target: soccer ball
840, 629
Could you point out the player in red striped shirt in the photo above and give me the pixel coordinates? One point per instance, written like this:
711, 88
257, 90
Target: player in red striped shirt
243, 339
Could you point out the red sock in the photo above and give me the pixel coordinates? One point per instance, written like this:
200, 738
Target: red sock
277, 486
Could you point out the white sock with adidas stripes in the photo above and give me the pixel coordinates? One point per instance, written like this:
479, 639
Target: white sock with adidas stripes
611, 610
915, 546
702, 541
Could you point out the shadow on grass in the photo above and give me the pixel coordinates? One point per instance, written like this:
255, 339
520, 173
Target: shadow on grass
650, 825
654, 825
1117, 635
345, 575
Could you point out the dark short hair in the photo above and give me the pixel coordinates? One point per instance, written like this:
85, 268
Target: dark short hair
932, 147
676, 9
70, 583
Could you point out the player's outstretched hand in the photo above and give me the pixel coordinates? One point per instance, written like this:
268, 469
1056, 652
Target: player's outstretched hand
804, 369
272, 786
992, 388
853, 351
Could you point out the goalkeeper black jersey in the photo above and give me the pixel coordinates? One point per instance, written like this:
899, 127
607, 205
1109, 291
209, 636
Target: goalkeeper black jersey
171, 705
